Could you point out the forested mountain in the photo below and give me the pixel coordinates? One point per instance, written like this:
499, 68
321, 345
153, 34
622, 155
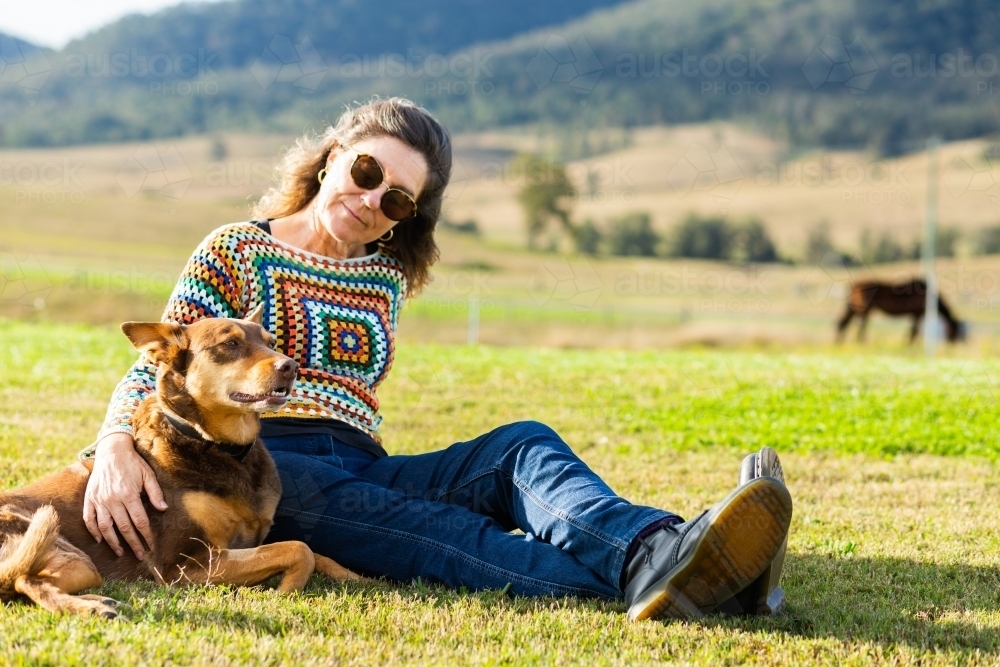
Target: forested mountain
831, 72
237, 31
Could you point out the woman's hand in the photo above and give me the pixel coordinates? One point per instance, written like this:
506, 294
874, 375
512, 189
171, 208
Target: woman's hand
112, 497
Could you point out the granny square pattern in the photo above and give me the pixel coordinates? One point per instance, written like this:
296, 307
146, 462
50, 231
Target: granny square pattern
337, 318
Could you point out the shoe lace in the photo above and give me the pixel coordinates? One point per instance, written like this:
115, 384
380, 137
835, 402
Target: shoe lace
647, 556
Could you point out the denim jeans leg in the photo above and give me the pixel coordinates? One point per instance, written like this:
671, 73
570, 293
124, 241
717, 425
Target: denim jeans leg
524, 476
381, 532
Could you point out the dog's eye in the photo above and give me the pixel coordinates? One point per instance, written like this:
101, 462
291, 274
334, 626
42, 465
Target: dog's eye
232, 343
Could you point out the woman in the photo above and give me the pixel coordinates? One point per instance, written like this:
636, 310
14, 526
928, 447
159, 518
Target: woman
339, 243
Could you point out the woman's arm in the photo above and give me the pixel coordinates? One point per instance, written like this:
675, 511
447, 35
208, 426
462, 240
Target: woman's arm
209, 286
113, 495
138, 383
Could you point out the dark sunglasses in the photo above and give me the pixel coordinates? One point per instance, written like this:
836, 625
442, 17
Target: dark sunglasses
367, 174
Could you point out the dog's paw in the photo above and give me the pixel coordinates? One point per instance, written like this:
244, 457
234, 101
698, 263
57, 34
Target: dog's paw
335, 570
98, 605
110, 602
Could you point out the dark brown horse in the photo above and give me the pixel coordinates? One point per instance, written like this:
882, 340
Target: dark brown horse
895, 299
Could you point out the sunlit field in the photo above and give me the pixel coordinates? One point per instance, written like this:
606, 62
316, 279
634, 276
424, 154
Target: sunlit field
99, 233
890, 461
662, 374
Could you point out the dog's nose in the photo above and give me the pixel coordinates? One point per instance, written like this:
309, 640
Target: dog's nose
287, 367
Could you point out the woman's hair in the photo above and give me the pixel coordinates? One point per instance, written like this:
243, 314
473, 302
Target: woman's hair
412, 241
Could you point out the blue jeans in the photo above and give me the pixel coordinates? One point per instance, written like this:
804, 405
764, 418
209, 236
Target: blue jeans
447, 516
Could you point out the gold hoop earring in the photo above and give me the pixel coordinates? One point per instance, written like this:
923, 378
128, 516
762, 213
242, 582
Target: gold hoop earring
386, 239
321, 175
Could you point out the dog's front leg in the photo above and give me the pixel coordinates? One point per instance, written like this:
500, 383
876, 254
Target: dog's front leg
245, 567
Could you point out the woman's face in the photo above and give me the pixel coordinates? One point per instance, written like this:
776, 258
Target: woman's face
351, 214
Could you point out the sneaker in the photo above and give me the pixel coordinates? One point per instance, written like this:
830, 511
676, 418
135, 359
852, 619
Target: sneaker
764, 595
687, 570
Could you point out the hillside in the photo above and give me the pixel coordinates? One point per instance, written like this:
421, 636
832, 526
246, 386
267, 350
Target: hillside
97, 237
811, 72
815, 72
236, 32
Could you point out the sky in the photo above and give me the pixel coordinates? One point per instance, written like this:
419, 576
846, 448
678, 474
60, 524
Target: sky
54, 23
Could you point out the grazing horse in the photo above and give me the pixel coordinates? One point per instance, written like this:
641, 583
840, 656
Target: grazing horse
906, 298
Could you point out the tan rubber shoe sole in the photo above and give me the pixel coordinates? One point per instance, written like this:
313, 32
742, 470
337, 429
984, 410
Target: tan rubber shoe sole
744, 534
771, 596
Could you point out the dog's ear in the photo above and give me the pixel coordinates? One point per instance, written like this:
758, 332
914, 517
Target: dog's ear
256, 315
162, 341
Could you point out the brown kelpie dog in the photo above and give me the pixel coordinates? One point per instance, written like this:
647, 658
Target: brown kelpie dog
199, 435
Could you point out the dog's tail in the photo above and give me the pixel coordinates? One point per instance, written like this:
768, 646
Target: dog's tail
23, 554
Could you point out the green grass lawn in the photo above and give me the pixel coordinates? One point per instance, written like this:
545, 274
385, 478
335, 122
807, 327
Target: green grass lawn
894, 556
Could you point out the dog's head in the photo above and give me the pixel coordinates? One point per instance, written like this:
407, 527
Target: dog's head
216, 368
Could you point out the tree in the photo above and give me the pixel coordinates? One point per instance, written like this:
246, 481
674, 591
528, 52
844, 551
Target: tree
751, 243
543, 195
989, 241
587, 238
705, 238
632, 235
947, 241
885, 250
818, 243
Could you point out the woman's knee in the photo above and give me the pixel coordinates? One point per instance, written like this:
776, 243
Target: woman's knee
530, 428
530, 434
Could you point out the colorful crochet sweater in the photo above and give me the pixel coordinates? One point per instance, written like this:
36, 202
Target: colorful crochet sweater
337, 318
